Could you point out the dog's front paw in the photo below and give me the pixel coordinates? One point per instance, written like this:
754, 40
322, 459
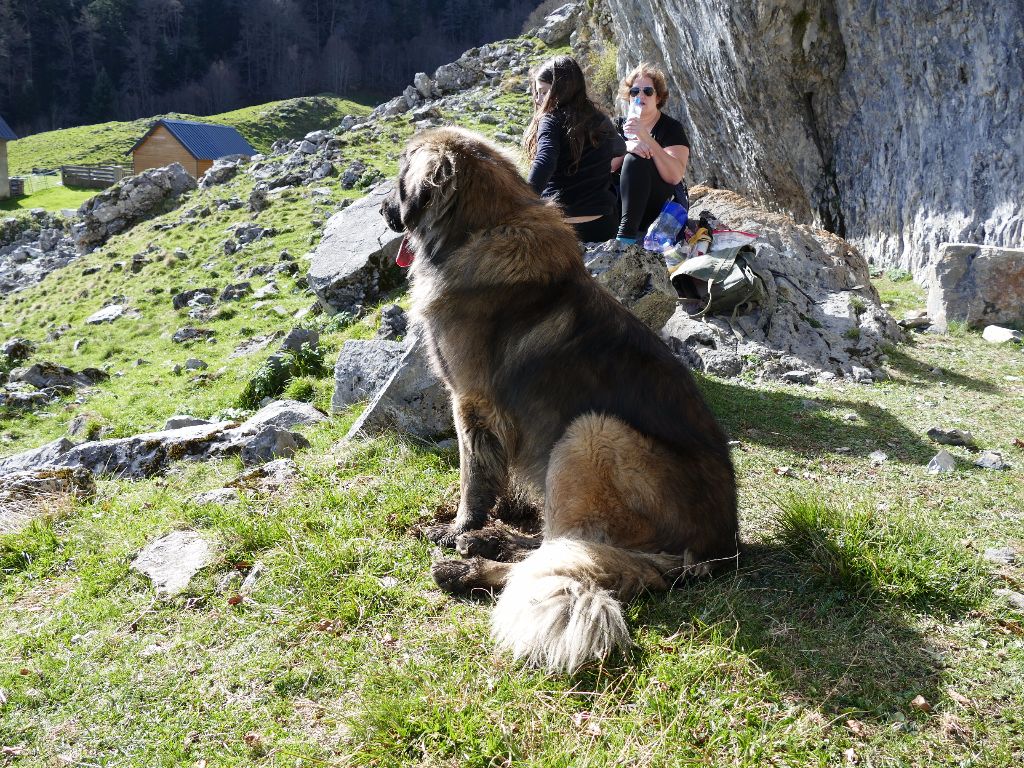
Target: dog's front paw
442, 535
455, 576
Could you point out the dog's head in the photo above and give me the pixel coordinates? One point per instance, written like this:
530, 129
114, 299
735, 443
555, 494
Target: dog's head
452, 184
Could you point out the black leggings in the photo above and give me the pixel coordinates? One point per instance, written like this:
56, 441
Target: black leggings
643, 192
596, 231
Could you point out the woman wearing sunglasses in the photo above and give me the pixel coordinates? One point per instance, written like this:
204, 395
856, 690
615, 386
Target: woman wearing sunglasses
657, 155
571, 144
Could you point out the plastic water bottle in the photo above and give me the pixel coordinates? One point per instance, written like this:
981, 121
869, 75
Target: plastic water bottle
635, 108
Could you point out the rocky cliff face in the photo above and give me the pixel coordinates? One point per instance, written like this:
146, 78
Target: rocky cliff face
895, 125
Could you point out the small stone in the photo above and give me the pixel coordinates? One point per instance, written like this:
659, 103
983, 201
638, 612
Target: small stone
798, 377
990, 460
216, 496
1015, 599
861, 375
941, 463
995, 334
195, 364
1001, 555
920, 703
878, 457
953, 437
172, 560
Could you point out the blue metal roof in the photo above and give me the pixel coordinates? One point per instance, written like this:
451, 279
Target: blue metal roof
203, 141
6, 134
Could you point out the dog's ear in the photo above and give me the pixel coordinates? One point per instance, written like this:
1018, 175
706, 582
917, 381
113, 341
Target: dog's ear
426, 179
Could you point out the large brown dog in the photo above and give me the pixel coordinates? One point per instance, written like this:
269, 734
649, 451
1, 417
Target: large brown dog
559, 391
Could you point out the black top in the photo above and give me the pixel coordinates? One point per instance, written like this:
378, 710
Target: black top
668, 131
587, 191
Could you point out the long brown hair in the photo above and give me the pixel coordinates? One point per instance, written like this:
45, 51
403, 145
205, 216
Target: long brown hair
584, 122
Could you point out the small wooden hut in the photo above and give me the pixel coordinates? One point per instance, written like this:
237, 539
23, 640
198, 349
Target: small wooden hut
194, 145
6, 134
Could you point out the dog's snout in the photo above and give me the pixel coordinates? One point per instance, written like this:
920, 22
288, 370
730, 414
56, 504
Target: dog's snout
392, 215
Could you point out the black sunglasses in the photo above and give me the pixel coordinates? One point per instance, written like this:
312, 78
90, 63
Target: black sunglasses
647, 89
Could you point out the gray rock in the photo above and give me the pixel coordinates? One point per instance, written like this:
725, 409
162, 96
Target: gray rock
560, 23
412, 401
866, 88
394, 323
362, 369
271, 443
16, 350
878, 457
24, 494
177, 422
183, 299
354, 263
46, 375
423, 85
1015, 599
297, 337
283, 414
953, 437
223, 170
1001, 555
995, 334
636, 277
990, 460
106, 314
266, 291
941, 463
130, 201
976, 285
189, 333
236, 291
271, 478
217, 496
798, 377
171, 561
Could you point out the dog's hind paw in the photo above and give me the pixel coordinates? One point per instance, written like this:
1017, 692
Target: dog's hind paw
458, 577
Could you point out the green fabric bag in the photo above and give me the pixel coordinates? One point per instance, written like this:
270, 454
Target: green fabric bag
721, 279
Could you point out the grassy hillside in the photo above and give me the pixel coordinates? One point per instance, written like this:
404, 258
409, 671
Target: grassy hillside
110, 142
863, 585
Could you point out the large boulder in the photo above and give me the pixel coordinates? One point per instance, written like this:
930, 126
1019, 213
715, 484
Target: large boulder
27, 495
637, 278
354, 263
130, 201
150, 453
820, 317
413, 401
977, 285
363, 368
895, 125
560, 23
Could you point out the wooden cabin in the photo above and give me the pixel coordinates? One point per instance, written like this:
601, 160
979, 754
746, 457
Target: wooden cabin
6, 134
194, 145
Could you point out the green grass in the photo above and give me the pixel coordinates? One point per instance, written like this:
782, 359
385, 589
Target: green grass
861, 587
110, 142
52, 199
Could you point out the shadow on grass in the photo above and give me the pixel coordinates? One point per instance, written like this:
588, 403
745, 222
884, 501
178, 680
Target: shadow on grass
914, 371
809, 424
824, 608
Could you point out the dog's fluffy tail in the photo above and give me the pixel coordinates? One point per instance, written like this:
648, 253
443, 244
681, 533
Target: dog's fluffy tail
561, 606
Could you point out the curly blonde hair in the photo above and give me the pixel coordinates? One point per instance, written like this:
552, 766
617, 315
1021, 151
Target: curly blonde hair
643, 69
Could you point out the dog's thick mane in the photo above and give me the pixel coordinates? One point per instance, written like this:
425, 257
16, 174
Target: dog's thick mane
472, 218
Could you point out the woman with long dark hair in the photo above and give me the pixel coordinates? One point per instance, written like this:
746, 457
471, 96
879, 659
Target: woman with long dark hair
571, 144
